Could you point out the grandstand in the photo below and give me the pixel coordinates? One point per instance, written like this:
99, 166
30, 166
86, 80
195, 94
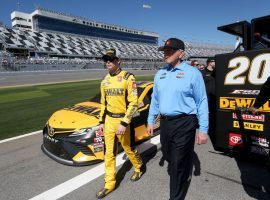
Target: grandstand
63, 45
48, 37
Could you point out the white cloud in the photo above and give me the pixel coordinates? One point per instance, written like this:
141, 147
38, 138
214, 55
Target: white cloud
146, 6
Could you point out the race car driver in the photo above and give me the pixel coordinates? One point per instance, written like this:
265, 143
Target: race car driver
262, 97
119, 102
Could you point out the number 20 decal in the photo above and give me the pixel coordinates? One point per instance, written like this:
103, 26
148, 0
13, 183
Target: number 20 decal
259, 70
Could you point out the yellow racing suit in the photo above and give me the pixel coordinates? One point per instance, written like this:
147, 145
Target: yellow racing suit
119, 102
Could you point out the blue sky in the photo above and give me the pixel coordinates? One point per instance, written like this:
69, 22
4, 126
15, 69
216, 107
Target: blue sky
188, 20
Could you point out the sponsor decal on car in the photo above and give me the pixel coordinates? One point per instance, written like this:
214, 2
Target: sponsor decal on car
230, 103
235, 140
84, 109
260, 141
98, 149
98, 139
50, 138
246, 92
260, 118
251, 66
249, 126
99, 144
99, 133
259, 150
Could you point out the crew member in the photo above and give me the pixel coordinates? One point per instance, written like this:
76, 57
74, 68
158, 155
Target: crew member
179, 96
210, 68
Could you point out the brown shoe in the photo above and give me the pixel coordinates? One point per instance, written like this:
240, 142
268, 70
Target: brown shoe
136, 176
103, 192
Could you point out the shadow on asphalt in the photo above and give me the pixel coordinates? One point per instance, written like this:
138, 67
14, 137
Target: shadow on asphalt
196, 165
146, 156
255, 177
254, 174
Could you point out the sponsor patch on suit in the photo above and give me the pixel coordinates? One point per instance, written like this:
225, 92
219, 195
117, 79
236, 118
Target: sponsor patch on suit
162, 76
180, 75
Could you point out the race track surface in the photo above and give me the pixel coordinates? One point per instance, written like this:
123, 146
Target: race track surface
25, 173
12, 79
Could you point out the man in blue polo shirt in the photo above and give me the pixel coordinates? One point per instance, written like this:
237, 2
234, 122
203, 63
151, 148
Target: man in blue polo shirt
179, 96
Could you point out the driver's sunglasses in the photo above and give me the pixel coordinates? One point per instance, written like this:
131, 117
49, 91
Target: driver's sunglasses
109, 59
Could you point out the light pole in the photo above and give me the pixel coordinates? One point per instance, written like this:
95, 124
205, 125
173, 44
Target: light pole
18, 5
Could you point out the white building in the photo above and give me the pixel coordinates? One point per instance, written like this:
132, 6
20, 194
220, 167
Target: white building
21, 20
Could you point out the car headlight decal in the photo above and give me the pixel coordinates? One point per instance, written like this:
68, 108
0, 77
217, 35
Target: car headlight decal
85, 132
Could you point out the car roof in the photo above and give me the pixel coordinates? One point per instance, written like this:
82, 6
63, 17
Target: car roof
143, 84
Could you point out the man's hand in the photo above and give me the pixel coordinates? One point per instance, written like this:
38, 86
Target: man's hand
101, 127
120, 130
253, 110
150, 129
201, 138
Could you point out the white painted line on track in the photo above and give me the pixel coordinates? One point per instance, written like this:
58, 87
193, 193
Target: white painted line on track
48, 83
56, 82
86, 177
21, 136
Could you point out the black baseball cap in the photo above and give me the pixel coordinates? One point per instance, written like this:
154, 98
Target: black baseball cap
110, 54
173, 43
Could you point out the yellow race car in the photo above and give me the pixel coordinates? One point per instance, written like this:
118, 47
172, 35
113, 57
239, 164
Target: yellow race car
71, 134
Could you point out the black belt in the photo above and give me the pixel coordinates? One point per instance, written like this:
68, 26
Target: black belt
115, 115
166, 117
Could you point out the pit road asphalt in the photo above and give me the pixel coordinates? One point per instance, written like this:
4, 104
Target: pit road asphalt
25, 172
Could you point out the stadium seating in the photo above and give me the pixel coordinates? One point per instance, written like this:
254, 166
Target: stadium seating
13, 38
58, 44
70, 45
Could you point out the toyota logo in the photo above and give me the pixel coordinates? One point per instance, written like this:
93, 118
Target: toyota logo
236, 139
51, 131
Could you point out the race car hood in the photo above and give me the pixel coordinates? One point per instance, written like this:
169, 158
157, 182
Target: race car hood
82, 115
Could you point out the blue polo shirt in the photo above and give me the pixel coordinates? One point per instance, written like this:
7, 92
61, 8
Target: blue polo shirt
179, 90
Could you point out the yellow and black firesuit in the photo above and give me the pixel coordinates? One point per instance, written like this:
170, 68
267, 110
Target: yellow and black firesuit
119, 102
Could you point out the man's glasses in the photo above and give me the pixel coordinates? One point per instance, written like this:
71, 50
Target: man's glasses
109, 59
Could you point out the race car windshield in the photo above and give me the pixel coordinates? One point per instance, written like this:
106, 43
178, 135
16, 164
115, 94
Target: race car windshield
96, 98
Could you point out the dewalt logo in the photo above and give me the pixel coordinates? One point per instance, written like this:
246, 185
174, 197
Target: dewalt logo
230, 103
115, 92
